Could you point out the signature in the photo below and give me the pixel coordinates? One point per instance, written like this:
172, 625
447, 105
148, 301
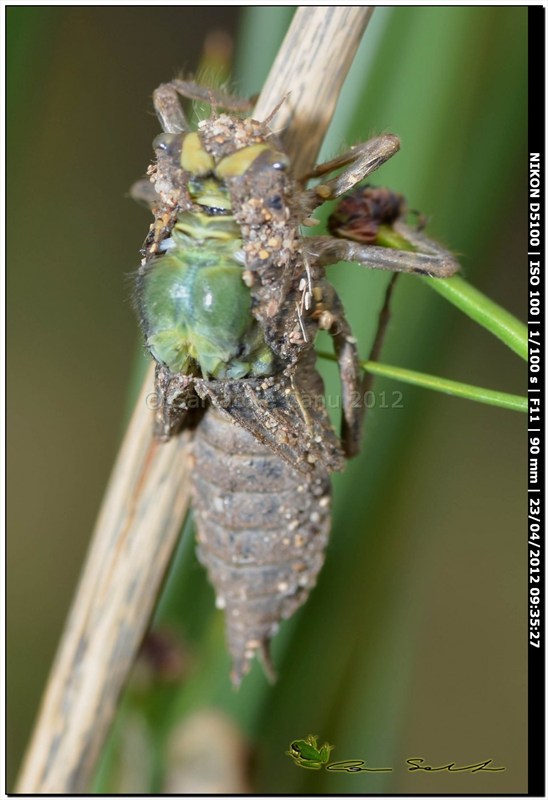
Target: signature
482, 766
309, 754
414, 765
354, 766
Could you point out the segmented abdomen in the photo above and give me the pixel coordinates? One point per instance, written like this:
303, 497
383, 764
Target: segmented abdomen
262, 528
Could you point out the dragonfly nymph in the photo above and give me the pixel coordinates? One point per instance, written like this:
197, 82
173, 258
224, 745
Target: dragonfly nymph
231, 297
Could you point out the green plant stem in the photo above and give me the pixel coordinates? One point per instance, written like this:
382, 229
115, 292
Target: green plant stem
492, 397
484, 311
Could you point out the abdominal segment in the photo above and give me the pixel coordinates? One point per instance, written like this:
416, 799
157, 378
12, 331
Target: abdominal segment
262, 528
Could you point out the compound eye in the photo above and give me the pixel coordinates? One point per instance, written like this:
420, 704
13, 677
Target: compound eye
168, 143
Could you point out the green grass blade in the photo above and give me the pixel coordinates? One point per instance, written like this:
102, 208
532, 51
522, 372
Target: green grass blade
484, 311
492, 397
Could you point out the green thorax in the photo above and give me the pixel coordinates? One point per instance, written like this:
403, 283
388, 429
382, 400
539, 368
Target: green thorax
195, 304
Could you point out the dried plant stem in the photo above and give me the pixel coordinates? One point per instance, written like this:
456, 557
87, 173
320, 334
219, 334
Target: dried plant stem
308, 75
135, 536
147, 498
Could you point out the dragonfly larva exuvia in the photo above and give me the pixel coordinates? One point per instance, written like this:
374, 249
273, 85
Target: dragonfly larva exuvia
231, 297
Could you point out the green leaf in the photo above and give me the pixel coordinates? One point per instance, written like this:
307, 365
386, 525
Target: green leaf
484, 311
493, 397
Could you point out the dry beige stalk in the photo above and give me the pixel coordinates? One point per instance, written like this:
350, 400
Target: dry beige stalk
147, 498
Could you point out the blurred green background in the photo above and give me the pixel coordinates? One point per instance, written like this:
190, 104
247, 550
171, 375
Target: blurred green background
414, 642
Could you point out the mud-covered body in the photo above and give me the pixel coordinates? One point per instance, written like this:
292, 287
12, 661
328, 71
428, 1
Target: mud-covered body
262, 529
231, 299
223, 315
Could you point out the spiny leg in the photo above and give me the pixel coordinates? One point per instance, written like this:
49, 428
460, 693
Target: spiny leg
430, 258
447, 263
363, 159
168, 107
354, 385
204, 94
334, 321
